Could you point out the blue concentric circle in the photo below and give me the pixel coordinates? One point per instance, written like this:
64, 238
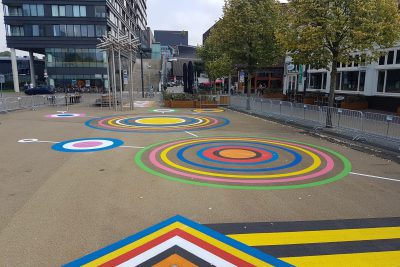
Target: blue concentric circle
86, 145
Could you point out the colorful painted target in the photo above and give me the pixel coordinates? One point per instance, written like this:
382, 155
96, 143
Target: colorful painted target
208, 110
157, 123
65, 115
244, 163
87, 145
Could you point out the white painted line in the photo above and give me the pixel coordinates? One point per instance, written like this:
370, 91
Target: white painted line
132, 147
376, 177
192, 134
48, 142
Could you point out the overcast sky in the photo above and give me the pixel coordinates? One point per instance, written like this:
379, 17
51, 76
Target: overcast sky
195, 16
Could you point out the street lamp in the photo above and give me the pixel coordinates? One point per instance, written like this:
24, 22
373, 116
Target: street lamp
149, 68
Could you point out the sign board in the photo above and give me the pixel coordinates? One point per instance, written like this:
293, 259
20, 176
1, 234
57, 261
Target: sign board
241, 77
301, 74
2, 78
73, 82
126, 79
291, 67
339, 98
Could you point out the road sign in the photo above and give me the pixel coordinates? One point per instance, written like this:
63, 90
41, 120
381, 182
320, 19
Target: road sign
126, 79
2, 78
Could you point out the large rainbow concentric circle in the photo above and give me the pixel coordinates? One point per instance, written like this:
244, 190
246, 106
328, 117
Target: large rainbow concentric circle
157, 123
244, 163
87, 145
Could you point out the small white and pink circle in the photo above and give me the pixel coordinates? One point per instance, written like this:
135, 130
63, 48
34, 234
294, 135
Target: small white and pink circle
87, 145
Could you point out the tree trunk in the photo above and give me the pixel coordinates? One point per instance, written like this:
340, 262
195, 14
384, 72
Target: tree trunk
332, 89
248, 90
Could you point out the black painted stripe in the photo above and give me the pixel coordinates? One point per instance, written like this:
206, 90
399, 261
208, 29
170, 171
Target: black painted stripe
175, 250
296, 226
331, 248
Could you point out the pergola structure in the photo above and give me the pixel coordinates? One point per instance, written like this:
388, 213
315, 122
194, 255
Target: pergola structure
122, 44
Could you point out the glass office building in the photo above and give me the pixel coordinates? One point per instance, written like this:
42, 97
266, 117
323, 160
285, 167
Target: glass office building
67, 32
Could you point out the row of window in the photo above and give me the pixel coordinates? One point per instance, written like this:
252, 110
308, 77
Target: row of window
79, 30
57, 30
68, 11
388, 81
34, 10
346, 81
31, 10
392, 57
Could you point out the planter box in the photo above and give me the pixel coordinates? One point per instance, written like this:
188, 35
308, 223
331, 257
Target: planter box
274, 95
167, 103
183, 104
354, 105
310, 100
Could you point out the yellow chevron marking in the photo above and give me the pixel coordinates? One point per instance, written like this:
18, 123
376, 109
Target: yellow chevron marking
323, 236
381, 259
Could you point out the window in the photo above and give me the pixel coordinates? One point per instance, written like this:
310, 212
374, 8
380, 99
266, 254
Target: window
317, 81
362, 81
77, 30
381, 81
390, 58
68, 11
14, 11
54, 11
350, 80
398, 57
393, 81
382, 60
90, 30
70, 30
40, 10
84, 30
61, 11
35, 30
26, 10
100, 30
82, 11
100, 11
56, 30
76, 11
15, 30
63, 30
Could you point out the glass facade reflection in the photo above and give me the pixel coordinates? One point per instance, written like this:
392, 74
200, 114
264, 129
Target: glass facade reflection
75, 58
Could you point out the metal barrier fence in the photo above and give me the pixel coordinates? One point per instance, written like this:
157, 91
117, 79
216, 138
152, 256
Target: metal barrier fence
361, 123
30, 102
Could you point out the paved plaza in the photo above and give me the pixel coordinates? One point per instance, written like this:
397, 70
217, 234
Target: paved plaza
220, 186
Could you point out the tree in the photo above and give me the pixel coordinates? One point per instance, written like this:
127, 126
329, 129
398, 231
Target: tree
245, 36
5, 54
323, 33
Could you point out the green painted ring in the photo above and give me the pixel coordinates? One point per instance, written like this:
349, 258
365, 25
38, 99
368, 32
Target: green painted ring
347, 168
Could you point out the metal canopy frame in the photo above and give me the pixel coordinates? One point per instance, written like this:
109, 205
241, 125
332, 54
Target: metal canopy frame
127, 45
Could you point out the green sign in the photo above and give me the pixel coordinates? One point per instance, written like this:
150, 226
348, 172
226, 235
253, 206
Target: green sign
301, 74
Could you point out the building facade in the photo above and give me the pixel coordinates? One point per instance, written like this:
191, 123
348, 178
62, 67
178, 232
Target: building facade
67, 33
378, 82
171, 38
